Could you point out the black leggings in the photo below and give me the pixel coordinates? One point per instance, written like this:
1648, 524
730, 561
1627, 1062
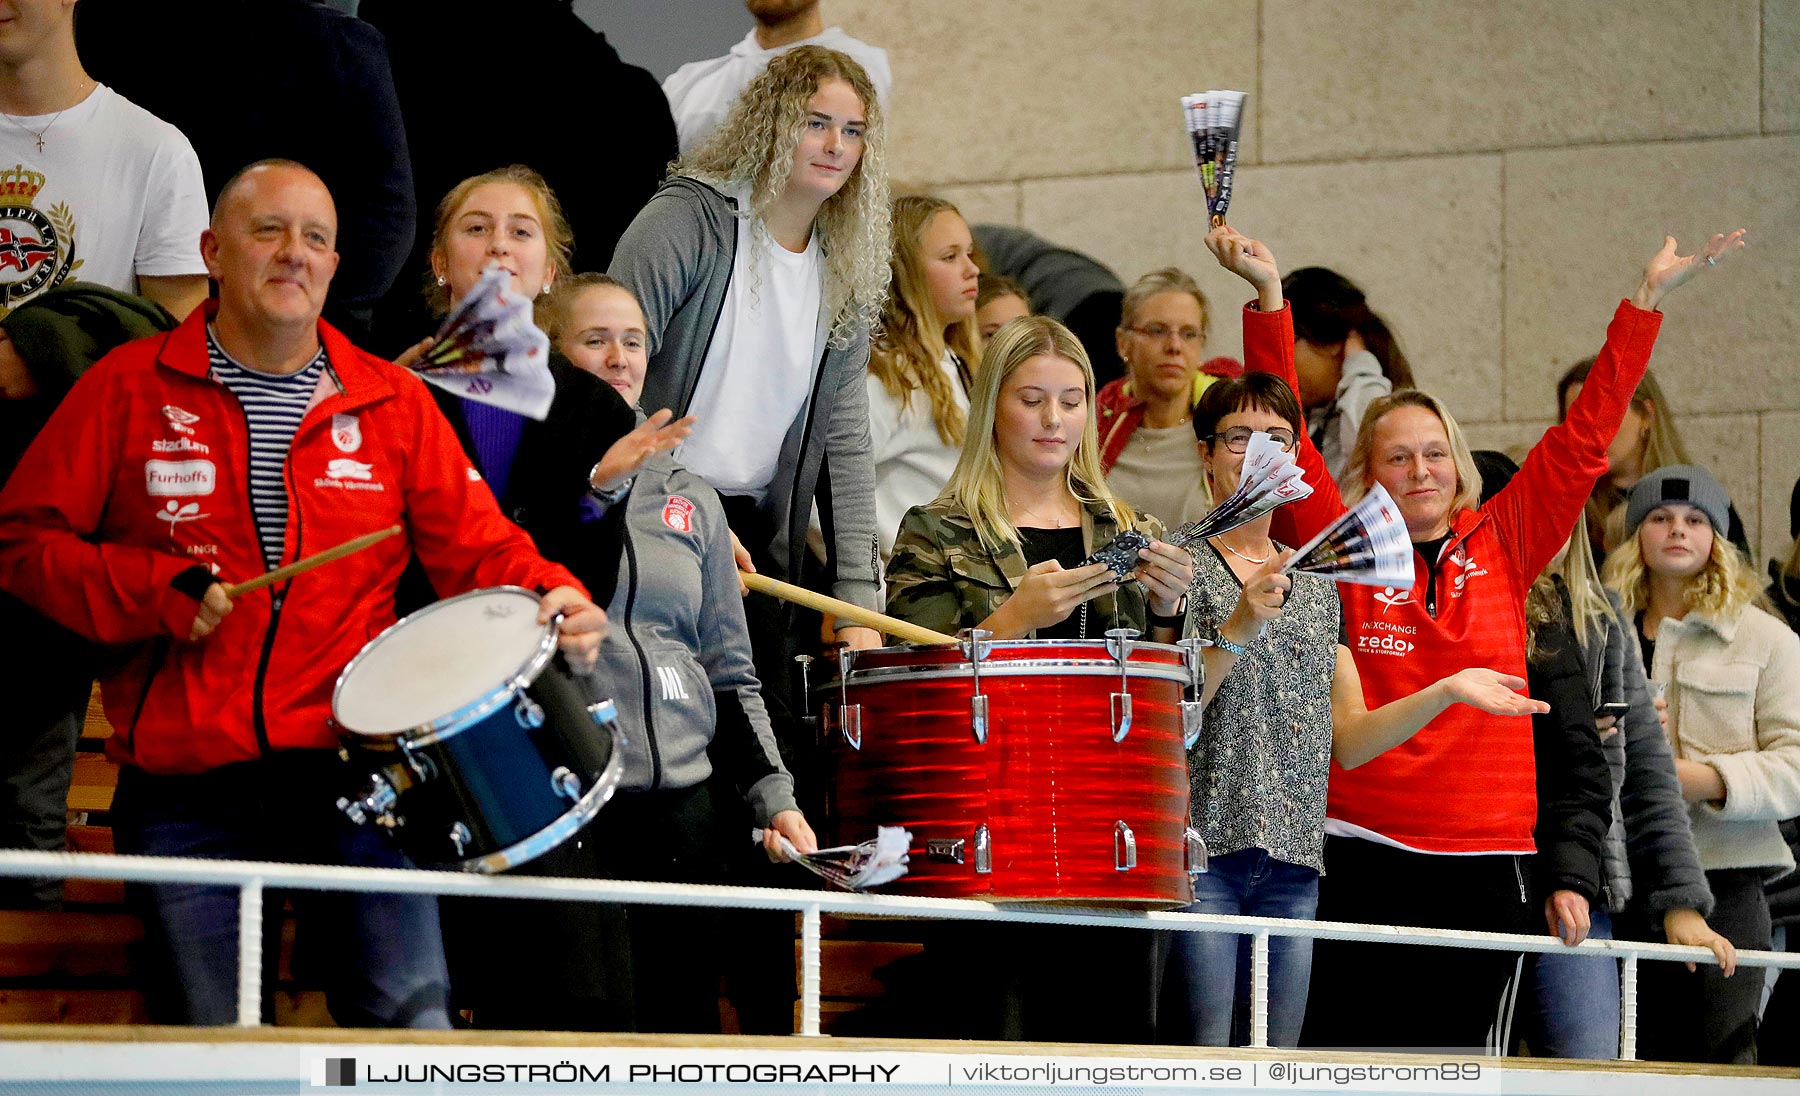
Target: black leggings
1407, 996
1701, 1015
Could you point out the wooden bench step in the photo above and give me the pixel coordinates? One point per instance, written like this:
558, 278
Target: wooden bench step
72, 1006
36, 944
95, 781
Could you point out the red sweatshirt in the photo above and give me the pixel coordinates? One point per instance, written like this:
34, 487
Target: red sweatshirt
142, 473
1465, 782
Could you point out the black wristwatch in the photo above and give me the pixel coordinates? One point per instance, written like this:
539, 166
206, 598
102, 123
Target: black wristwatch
1174, 620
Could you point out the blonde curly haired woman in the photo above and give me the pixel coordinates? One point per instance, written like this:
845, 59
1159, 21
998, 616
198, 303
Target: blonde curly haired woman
761, 265
920, 363
1732, 672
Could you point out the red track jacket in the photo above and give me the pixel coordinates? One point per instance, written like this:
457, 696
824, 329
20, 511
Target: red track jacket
142, 473
1466, 782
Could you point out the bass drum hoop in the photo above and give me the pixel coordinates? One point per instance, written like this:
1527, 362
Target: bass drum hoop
468, 715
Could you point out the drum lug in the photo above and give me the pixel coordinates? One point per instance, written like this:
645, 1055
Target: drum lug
850, 723
984, 850
948, 850
1124, 847
1121, 716
974, 643
565, 783
528, 712
375, 805
1193, 653
1118, 643
420, 765
849, 715
1193, 719
459, 837
1196, 852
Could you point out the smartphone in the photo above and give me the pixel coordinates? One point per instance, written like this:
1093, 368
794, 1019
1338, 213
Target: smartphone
1612, 708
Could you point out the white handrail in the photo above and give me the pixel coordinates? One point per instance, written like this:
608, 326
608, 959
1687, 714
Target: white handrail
252, 878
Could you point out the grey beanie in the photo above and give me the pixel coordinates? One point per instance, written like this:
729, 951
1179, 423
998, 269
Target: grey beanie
1688, 483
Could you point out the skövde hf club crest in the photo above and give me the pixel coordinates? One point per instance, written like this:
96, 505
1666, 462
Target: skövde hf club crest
37, 247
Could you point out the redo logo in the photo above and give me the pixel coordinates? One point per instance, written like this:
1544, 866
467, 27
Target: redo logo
678, 514
180, 478
346, 433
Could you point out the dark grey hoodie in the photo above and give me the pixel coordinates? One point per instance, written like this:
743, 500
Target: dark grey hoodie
676, 658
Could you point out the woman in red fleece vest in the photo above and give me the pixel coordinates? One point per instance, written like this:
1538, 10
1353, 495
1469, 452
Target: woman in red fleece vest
1436, 831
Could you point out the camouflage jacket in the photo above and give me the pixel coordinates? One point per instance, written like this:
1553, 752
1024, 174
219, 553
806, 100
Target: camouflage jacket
942, 577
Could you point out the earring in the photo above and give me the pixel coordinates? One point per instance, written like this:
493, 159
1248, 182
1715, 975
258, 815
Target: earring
440, 279
544, 292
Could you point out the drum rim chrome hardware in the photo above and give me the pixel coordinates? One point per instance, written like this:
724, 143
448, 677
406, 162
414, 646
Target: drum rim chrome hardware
374, 805
984, 850
565, 783
1118, 644
445, 726
1027, 667
975, 644
1124, 847
460, 836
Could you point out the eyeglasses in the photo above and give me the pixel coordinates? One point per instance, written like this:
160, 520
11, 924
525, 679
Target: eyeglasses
1160, 331
1237, 439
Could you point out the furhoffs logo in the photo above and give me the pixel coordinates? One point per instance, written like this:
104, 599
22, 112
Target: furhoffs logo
678, 514
335, 1073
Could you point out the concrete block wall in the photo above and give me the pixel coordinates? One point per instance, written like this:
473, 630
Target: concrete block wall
1493, 172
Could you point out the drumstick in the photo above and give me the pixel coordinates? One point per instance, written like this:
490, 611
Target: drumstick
269, 578
856, 614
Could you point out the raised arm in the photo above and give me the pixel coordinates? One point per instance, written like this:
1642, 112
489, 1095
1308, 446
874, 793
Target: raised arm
1534, 513
1269, 348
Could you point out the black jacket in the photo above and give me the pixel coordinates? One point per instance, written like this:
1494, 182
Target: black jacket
549, 479
1574, 785
457, 125
246, 80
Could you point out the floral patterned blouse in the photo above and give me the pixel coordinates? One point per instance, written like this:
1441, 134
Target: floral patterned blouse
1258, 771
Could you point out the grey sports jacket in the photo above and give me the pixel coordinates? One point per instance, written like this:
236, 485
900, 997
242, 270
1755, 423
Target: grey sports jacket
676, 658
677, 257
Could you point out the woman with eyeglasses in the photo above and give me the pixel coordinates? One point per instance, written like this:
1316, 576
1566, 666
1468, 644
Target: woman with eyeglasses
1146, 447
1284, 698
1438, 832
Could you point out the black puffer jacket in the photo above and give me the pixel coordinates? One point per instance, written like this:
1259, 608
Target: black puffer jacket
1574, 784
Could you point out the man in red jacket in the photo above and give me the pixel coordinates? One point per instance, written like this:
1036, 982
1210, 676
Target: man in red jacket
252, 436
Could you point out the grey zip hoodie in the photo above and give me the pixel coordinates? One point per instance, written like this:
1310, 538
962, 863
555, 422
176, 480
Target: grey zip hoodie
676, 657
677, 257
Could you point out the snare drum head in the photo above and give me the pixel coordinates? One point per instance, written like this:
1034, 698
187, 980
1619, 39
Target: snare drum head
439, 661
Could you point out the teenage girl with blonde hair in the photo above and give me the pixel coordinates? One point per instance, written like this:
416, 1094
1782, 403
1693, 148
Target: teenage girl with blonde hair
1732, 675
920, 363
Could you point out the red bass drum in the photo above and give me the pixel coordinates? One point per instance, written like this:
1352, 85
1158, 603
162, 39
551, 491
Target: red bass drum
1027, 770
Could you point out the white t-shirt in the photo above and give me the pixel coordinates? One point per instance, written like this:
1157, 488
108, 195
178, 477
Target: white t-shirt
912, 463
115, 193
701, 92
1159, 472
759, 367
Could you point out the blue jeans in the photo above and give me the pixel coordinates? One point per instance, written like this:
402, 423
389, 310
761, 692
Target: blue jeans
1576, 1000
1206, 994
380, 956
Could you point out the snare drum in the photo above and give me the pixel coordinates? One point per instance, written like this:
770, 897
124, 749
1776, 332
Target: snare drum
486, 751
1027, 770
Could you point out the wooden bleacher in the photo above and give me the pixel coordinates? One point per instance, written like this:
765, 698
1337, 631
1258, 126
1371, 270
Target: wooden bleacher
75, 966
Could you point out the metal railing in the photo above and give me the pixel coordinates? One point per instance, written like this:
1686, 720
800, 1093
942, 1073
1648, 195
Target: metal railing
252, 878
